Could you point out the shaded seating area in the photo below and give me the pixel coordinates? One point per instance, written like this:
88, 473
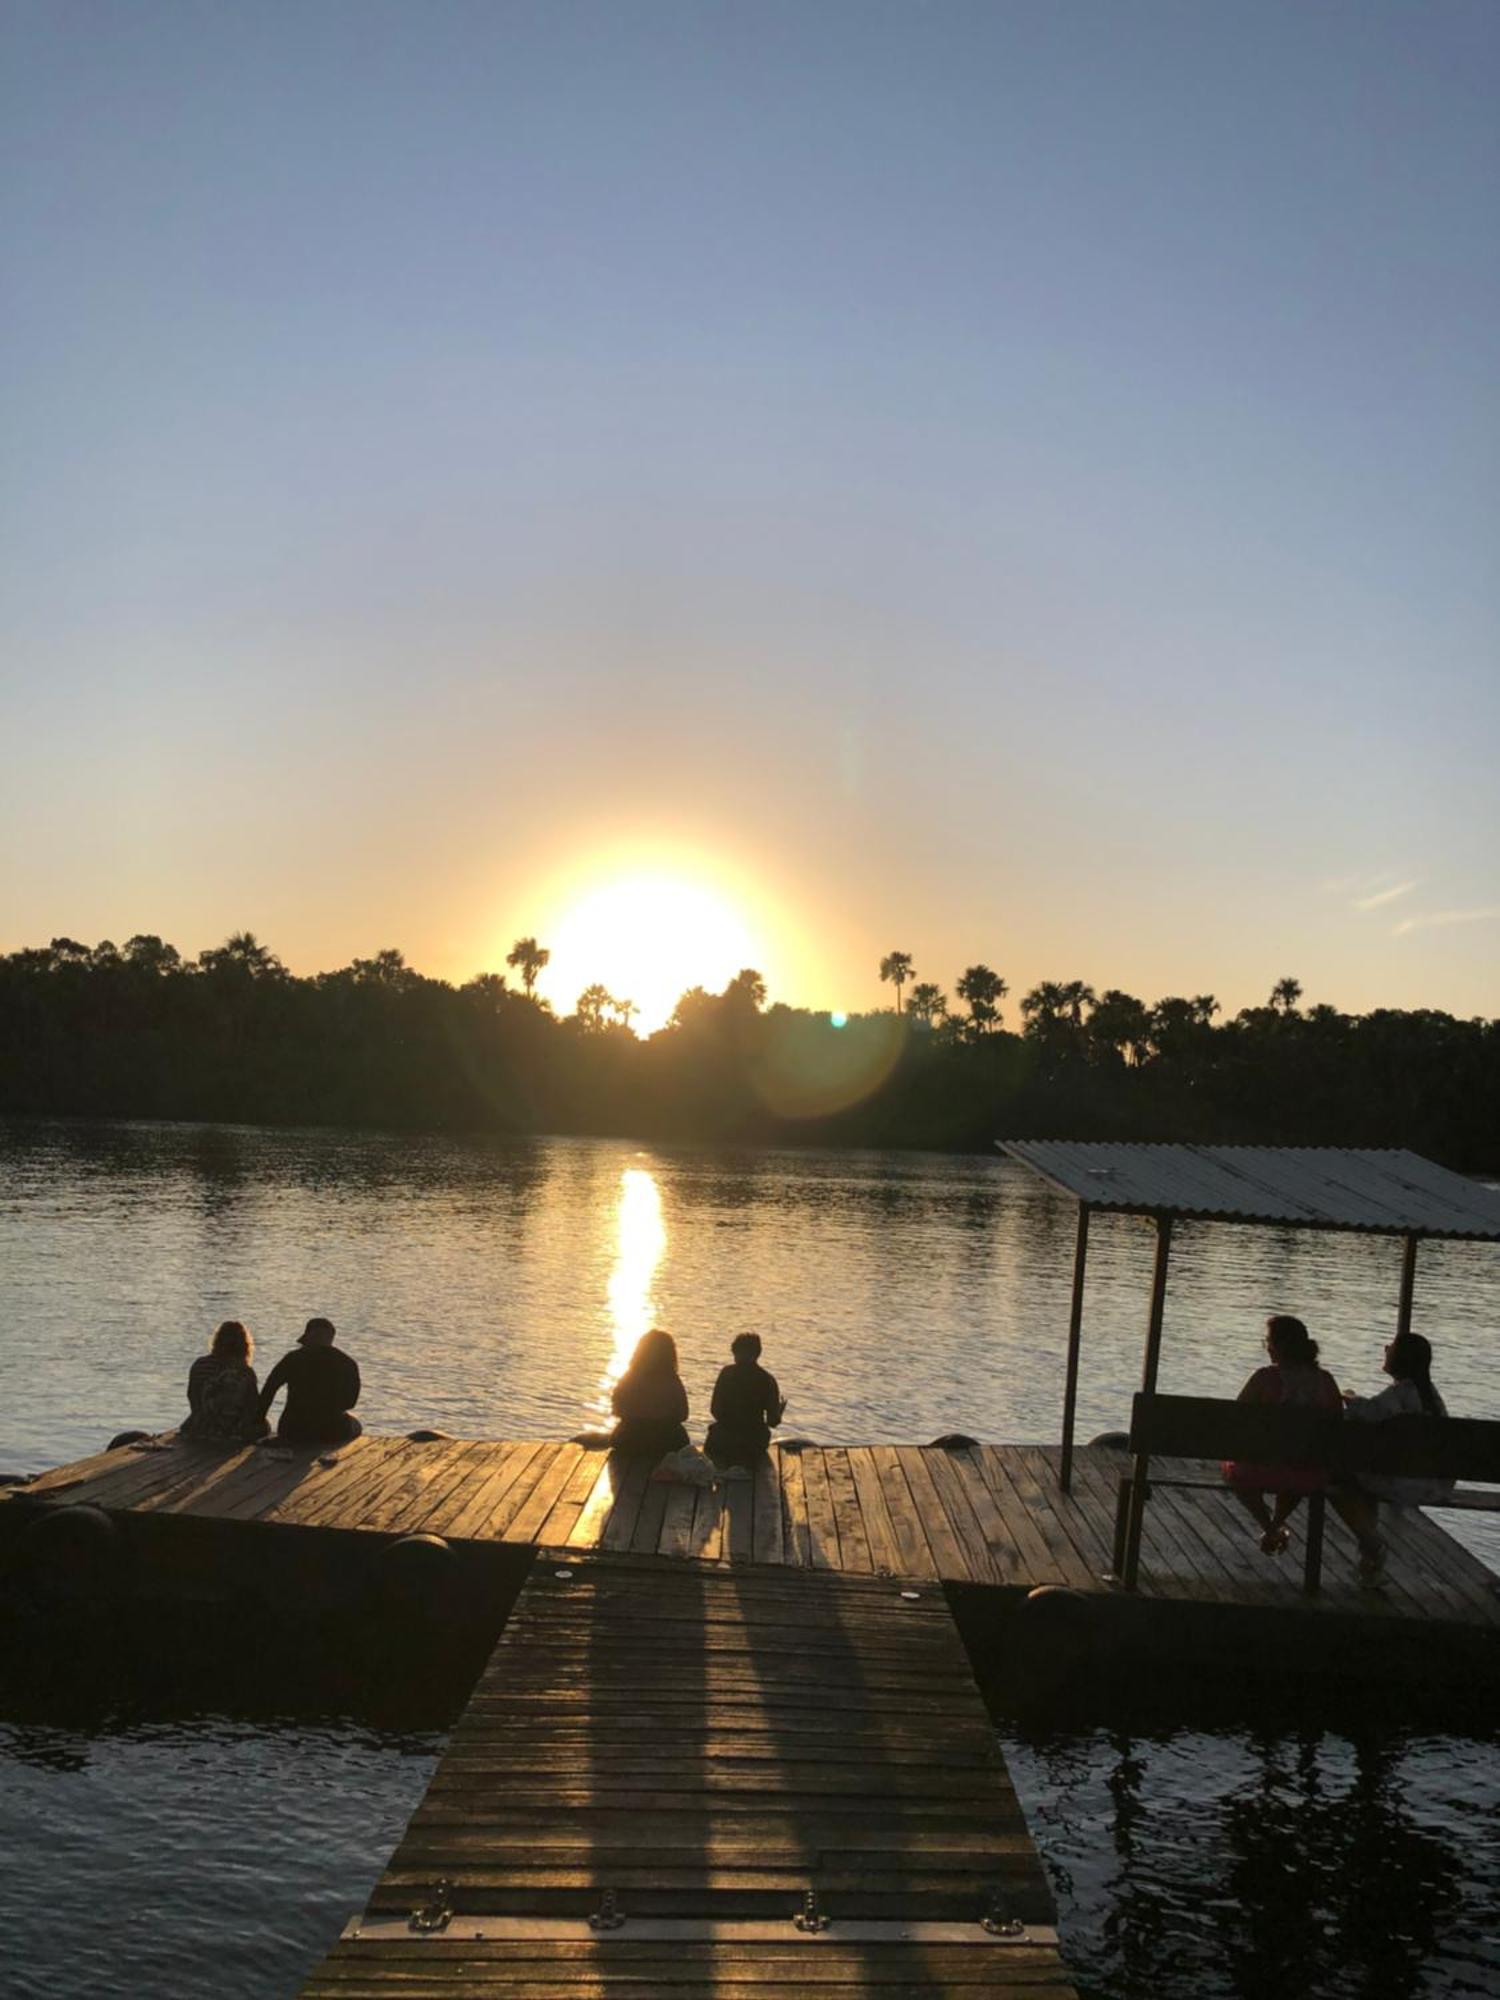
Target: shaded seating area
1206, 1427
1371, 1191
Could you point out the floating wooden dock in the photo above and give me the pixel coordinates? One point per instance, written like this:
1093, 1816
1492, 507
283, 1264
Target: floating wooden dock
989, 1515
708, 1706
676, 1779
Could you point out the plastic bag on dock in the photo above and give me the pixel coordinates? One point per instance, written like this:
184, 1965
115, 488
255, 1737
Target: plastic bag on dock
687, 1467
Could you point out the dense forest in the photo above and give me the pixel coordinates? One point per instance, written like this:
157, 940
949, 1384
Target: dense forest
141, 1032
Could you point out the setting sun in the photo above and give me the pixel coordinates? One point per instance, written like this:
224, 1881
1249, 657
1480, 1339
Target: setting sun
647, 938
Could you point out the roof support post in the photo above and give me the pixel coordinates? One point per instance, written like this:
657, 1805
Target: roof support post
1158, 1303
1075, 1334
1139, 1485
1408, 1284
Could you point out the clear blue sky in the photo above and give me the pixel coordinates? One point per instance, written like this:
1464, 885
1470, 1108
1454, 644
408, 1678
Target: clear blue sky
1009, 482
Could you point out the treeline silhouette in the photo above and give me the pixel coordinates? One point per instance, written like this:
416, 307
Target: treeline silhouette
141, 1032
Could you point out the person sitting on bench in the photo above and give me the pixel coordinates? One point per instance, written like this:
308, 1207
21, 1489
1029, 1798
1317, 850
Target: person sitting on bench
746, 1405
322, 1387
1292, 1379
1408, 1362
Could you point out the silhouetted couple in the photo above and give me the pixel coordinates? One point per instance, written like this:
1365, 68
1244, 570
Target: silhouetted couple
321, 1382
651, 1405
1294, 1379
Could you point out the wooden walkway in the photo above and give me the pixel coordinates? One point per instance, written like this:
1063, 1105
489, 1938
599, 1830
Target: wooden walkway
984, 1514
707, 1747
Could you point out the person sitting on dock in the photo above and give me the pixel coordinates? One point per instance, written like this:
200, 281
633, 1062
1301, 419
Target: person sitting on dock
1293, 1378
223, 1395
649, 1401
747, 1405
322, 1387
1408, 1362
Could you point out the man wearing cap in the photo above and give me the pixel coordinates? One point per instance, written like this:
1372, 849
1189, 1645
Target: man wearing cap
322, 1387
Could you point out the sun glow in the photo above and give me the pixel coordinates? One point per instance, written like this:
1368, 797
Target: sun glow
646, 938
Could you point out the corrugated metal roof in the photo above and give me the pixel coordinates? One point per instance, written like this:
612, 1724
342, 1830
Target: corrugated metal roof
1313, 1187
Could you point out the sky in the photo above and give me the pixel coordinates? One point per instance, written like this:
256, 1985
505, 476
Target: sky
1009, 482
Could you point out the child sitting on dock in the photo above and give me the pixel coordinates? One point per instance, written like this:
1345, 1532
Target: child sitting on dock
649, 1401
322, 1387
223, 1395
1294, 1378
747, 1405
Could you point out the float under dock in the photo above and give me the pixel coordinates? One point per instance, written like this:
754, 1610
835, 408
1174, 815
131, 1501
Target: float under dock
751, 1781
988, 1515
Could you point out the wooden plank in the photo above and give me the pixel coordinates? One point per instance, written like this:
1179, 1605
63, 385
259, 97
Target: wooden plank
346, 1503
854, 1545
768, 1529
586, 1531
737, 1506
880, 1534
285, 1502
1090, 1530
1010, 1566
648, 1526
1046, 1549
570, 1502
981, 1564
917, 1558
796, 1534
498, 1527
403, 1506
676, 1538
955, 1560
526, 1523
822, 1526
131, 1475
708, 1525
630, 1494
467, 1521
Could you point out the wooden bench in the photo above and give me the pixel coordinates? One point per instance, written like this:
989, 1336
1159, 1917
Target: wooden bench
1210, 1427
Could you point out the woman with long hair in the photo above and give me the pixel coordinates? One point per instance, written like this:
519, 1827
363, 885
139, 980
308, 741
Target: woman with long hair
1293, 1379
649, 1401
222, 1390
1408, 1362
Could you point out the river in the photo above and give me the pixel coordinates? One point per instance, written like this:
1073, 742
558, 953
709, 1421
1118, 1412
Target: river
212, 1846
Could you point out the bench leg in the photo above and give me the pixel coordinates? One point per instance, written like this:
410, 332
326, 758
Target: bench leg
1130, 1572
1312, 1568
1122, 1522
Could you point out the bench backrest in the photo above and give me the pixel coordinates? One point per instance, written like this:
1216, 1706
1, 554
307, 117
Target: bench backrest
1406, 1447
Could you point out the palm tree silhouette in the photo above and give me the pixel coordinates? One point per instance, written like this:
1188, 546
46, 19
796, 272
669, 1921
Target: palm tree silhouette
528, 957
929, 1003
982, 990
896, 969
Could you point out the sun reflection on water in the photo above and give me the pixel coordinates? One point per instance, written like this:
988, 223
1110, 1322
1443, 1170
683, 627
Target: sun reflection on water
640, 1238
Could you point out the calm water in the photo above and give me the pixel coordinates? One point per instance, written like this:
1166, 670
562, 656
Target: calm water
493, 1290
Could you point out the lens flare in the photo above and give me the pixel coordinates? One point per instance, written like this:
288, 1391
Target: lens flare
812, 1066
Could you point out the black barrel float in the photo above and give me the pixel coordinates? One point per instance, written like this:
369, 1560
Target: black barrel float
70, 1555
953, 1441
415, 1573
428, 1437
122, 1438
1110, 1441
1060, 1616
